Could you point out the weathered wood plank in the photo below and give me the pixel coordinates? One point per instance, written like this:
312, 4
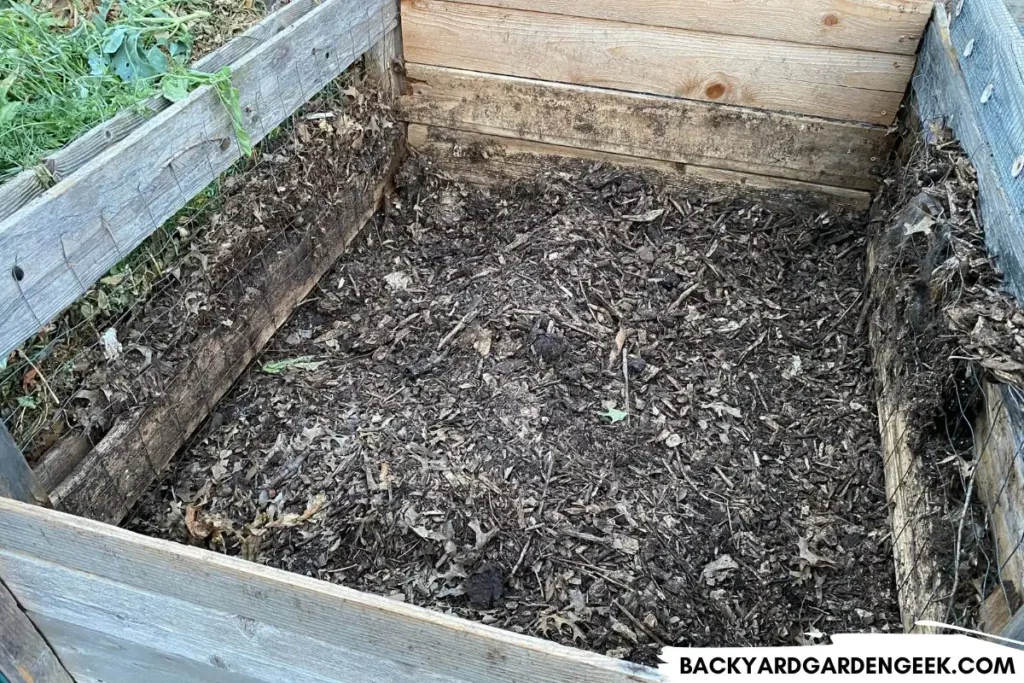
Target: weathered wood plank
16, 478
1015, 629
95, 657
385, 62
993, 71
488, 159
24, 656
1016, 8
920, 583
876, 25
999, 453
360, 638
711, 135
31, 183
108, 481
56, 247
830, 82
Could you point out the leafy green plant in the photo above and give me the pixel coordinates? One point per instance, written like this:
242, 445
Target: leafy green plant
58, 78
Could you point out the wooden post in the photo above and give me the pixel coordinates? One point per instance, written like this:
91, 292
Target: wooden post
25, 657
385, 62
16, 478
1015, 629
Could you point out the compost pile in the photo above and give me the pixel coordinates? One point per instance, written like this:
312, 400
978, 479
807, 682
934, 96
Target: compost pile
571, 408
939, 307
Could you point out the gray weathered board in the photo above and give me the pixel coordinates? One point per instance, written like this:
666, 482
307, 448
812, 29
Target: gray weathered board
16, 477
960, 58
25, 656
170, 613
53, 249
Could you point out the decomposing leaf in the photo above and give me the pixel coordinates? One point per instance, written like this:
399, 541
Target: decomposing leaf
719, 570
615, 415
300, 363
811, 557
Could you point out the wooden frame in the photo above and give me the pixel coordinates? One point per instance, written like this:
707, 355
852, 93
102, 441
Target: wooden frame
120, 607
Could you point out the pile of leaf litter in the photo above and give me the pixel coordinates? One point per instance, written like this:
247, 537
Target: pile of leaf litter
68, 65
939, 303
573, 408
113, 351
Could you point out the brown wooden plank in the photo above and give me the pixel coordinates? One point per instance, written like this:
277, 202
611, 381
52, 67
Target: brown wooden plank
488, 159
894, 26
703, 134
831, 82
25, 657
125, 463
189, 605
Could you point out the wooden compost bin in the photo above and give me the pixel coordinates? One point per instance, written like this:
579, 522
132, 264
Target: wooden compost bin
793, 95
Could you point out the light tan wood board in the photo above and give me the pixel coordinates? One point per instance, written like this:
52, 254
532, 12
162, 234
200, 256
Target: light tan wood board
710, 135
894, 26
204, 616
830, 82
1000, 482
488, 159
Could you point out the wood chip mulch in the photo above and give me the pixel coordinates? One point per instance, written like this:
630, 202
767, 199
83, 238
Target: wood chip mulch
572, 408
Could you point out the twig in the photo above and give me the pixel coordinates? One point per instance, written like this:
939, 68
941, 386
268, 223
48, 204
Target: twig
42, 377
639, 624
461, 325
625, 378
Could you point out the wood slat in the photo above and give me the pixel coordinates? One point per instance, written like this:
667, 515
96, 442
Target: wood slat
711, 135
999, 452
53, 249
31, 183
830, 82
206, 608
24, 656
16, 478
489, 159
894, 26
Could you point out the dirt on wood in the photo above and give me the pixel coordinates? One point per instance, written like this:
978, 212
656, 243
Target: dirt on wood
573, 408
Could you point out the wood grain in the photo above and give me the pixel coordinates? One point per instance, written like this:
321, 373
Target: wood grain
65, 240
24, 656
16, 478
711, 135
830, 82
999, 452
31, 183
921, 584
489, 159
894, 26
108, 481
70, 570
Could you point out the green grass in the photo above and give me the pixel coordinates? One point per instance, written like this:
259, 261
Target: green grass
61, 75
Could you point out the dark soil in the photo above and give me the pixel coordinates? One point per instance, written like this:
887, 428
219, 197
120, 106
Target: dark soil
570, 408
